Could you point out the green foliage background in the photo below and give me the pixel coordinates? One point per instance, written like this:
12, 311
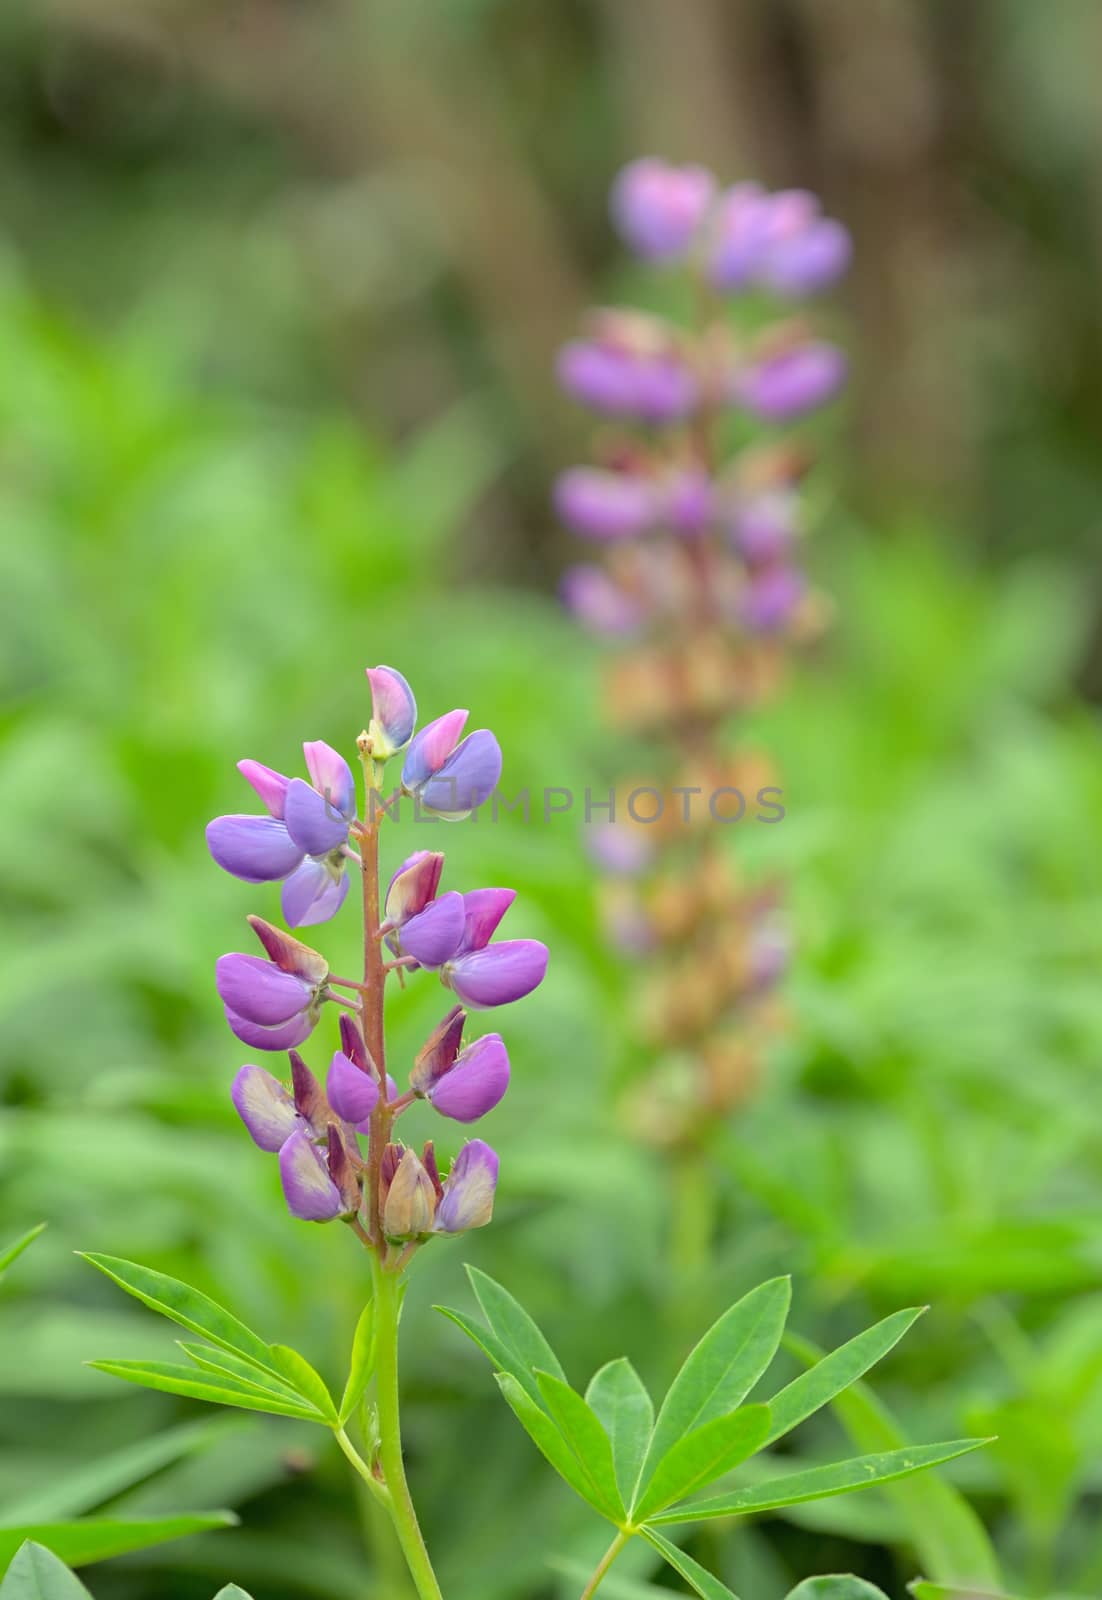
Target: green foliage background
214, 514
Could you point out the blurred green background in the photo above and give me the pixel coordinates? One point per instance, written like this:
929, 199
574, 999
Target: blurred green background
280, 286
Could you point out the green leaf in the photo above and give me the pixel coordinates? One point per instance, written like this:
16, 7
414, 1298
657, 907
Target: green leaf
837, 1371
923, 1589
588, 1440
243, 1373
699, 1577
547, 1438
80, 1543
723, 1368
11, 1251
219, 1391
72, 1491
37, 1574
839, 1586
702, 1456
615, 1586
513, 1326
503, 1358
362, 1363
951, 1541
304, 1380
816, 1483
232, 1592
620, 1402
189, 1307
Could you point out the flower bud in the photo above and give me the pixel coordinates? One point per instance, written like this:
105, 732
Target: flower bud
308, 1187
265, 1107
789, 383
468, 1200
410, 1200
414, 885
352, 1043
393, 712
290, 954
310, 1103
343, 1173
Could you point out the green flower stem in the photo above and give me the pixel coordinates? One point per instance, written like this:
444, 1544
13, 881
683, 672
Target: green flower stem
605, 1562
360, 1466
404, 1517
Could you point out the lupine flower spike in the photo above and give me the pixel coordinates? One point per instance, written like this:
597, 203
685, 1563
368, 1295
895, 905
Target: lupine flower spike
698, 578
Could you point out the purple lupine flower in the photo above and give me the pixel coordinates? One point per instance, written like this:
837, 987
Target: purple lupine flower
598, 601
419, 925
471, 1084
272, 1004
659, 208
308, 1187
437, 1055
413, 886
605, 505
468, 1199
802, 251
265, 1107
739, 232
763, 526
769, 598
300, 841
410, 1199
393, 712
688, 500
484, 975
790, 382
449, 776
651, 386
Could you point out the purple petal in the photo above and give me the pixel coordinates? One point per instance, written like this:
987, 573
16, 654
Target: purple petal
264, 1106
469, 1191
665, 390
483, 910
259, 991
312, 894
689, 502
413, 885
434, 934
310, 1192
793, 382
270, 785
499, 974
598, 602
432, 747
393, 710
476, 1082
741, 235
605, 505
352, 1093
438, 1053
284, 1036
256, 849
599, 378
467, 778
658, 208
767, 602
312, 821
331, 776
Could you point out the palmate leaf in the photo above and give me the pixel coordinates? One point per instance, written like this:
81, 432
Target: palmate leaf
513, 1326
923, 1589
501, 1357
218, 1389
620, 1402
722, 1369
80, 1543
37, 1574
699, 1577
949, 1537
232, 1592
817, 1483
702, 1456
11, 1251
246, 1362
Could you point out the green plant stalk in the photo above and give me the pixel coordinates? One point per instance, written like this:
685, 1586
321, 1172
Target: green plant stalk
601, 1569
402, 1513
